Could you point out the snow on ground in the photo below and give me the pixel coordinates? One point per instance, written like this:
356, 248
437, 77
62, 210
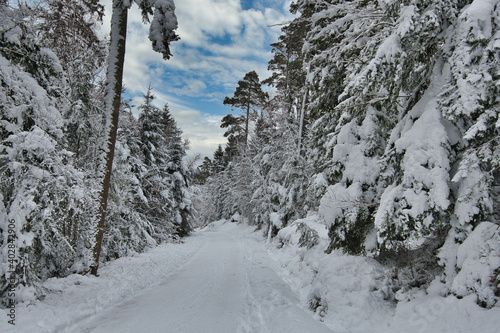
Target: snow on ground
347, 291
221, 280
352, 294
226, 279
77, 297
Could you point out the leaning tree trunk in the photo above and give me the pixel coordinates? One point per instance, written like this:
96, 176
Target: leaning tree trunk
112, 109
246, 125
301, 121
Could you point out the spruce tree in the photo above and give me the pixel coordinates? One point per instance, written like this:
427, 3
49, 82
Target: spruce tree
178, 172
45, 199
154, 180
70, 30
219, 161
469, 103
130, 228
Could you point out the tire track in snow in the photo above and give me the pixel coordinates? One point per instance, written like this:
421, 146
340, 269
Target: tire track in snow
229, 286
272, 306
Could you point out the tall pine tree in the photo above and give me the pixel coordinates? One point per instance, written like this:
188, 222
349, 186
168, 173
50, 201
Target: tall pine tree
249, 97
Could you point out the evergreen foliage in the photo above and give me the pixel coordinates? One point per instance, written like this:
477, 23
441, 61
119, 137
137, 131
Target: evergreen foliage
165, 177
52, 127
249, 97
385, 125
44, 200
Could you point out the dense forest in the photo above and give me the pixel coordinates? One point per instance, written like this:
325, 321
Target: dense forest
53, 144
383, 125
380, 121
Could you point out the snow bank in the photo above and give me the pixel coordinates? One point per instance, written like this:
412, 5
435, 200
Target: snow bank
478, 258
346, 292
430, 313
355, 294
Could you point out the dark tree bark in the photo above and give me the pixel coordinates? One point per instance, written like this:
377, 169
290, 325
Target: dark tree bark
114, 78
161, 34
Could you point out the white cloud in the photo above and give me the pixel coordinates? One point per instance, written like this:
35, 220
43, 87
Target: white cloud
201, 19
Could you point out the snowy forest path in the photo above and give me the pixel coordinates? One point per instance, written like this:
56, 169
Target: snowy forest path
229, 285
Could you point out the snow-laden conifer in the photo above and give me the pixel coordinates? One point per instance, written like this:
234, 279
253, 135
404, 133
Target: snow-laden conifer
46, 201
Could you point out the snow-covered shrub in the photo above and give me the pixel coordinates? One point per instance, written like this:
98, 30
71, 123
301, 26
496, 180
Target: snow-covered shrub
334, 286
478, 261
46, 201
303, 233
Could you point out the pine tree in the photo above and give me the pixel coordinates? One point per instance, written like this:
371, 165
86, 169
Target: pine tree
288, 75
236, 136
203, 171
249, 97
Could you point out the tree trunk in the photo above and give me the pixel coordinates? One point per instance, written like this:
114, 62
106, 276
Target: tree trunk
301, 121
246, 125
114, 77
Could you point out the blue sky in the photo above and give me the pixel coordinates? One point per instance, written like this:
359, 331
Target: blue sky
221, 40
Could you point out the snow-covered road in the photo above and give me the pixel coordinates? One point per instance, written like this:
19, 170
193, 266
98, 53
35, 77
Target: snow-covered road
229, 285
225, 279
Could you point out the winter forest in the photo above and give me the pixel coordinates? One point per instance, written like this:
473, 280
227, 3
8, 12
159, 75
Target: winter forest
375, 142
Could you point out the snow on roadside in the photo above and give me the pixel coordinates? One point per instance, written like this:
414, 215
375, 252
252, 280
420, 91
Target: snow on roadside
76, 297
346, 292
353, 294
431, 313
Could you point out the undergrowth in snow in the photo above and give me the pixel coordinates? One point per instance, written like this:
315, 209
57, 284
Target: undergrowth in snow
358, 294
